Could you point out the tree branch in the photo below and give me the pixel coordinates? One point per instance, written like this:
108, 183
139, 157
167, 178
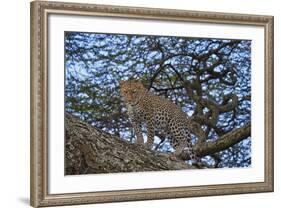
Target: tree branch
90, 150
224, 142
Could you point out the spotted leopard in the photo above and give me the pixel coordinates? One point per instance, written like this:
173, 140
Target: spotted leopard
158, 114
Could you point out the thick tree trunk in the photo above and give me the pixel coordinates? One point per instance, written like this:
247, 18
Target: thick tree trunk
90, 150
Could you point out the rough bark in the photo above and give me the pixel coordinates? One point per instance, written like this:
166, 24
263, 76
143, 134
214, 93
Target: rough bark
224, 142
90, 150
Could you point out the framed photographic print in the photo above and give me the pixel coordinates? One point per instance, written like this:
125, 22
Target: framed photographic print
140, 103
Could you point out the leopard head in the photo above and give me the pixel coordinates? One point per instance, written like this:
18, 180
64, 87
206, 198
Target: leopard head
132, 91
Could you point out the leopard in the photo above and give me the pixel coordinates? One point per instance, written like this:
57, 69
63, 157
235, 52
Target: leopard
159, 114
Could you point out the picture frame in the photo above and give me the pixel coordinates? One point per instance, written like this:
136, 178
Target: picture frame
41, 90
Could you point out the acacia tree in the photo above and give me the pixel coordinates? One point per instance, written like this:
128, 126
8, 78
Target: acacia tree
208, 78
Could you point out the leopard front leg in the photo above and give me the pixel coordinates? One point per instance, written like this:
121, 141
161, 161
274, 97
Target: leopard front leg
150, 133
137, 129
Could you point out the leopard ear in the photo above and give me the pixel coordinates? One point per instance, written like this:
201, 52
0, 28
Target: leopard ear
145, 83
139, 82
121, 82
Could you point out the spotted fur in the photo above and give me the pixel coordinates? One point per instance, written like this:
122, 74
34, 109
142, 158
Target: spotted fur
159, 114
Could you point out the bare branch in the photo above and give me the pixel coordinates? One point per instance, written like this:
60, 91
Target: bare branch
224, 142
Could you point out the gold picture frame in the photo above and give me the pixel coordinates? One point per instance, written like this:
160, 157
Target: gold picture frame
39, 103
